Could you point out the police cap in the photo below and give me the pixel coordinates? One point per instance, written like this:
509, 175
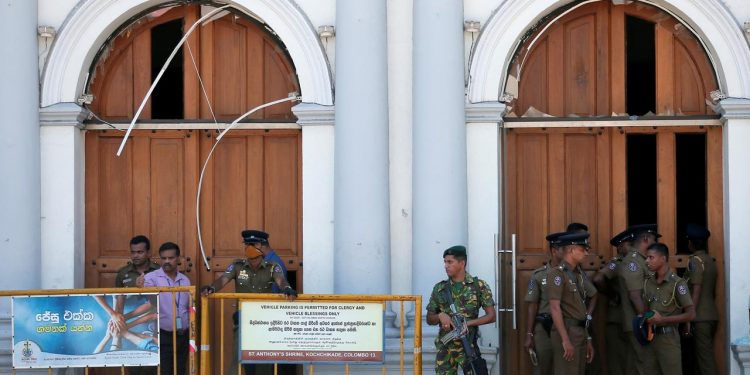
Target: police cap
621, 237
254, 236
574, 238
697, 232
553, 238
639, 229
643, 330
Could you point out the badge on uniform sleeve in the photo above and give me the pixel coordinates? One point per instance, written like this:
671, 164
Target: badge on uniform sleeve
532, 283
612, 266
558, 280
230, 268
682, 290
633, 267
276, 269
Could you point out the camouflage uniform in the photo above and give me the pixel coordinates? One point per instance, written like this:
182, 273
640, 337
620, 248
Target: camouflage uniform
668, 298
702, 271
563, 284
616, 339
537, 293
127, 275
631, 274
469, 296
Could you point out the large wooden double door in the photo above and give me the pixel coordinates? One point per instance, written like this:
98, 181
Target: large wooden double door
252, 181
554, 176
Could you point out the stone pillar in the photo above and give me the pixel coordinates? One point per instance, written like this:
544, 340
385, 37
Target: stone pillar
439, 140
62, 176
317, 195
19, 145
19, 157
484, 172
361, 229
400, 143
736, 117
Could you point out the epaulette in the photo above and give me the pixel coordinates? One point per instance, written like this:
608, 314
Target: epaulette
540, 269
616, 259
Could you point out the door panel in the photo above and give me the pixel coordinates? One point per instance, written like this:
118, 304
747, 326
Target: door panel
554, 177
559, 175
147, 190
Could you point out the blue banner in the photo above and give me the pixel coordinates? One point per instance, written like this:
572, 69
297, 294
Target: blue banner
85, 331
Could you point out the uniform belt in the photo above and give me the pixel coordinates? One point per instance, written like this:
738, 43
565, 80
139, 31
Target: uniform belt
665, 330
575, 322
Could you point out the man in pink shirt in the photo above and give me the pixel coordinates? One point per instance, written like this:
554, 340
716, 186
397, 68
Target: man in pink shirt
168, 275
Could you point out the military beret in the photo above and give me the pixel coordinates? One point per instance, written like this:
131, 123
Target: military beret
455, 250
635, 230
621, 237
697, 232
254, 236
553, 238
574, 238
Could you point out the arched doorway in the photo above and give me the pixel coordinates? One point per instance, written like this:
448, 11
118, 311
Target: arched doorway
610, 122
230, 64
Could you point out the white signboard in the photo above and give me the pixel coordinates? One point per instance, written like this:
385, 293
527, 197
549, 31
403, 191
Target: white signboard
311, 332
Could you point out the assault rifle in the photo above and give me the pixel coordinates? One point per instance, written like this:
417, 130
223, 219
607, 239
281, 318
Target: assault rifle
474, 364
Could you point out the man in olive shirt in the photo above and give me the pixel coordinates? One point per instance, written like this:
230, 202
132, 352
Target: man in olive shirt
606, 280
253, 275
140, 264
668, 297
631, 274
701, 277
571, 342
538, 318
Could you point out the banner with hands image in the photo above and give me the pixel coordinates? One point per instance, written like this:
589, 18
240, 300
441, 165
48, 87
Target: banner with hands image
85, 330
303, 332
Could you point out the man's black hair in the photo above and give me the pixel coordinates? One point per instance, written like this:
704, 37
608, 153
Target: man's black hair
169, 246
141, 239
458, 252
659, 248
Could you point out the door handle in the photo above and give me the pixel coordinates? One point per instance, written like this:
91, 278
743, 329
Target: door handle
512, 308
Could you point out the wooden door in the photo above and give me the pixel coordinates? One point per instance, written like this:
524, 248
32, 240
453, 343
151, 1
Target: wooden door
560, 175
148, 190
253, 181
553, 177
576, 65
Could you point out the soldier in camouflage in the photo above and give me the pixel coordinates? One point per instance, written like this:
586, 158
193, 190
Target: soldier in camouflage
469, 295
667, 295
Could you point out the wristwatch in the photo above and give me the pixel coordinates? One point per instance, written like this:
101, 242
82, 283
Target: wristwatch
589, 317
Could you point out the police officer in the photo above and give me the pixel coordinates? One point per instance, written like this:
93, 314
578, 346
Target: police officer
259, 240
252, 275
701, 276
131, 276
469, 294
666, 295
606, 280
538, 318
140, 264
631, 274
571, 343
